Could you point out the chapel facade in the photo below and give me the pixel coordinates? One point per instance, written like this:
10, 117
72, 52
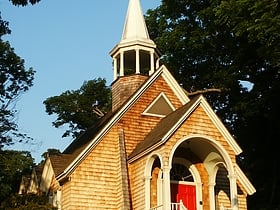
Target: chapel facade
158, 149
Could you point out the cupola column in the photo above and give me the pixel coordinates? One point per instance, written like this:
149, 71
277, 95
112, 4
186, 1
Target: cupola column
115, 61
137, 71
152, 63
121, 63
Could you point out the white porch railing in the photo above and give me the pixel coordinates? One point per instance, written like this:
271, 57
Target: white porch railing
178, 206
174, 206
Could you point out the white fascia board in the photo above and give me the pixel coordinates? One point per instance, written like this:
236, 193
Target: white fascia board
174, 86
218, 123
244, 180
109, 125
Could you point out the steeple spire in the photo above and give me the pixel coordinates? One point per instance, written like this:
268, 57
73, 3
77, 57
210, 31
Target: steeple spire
135, 57
135, 27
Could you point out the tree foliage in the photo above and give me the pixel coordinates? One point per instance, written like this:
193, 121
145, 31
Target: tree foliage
27, 202
79, 109
24, 2
226, 44
13, 165
15, 79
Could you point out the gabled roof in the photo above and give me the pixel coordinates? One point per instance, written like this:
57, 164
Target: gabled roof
86, 142
168, 125
58, 162
82, 140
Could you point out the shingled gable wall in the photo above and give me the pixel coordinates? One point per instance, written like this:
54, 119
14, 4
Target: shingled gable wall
97, 182
197, 123
136, 125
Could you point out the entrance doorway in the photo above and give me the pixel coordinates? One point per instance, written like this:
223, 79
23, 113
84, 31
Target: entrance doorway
183, 192
182, 186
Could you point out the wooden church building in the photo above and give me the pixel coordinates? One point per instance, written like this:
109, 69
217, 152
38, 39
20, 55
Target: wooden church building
158, 149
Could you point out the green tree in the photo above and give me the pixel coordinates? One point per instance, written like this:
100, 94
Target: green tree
24, 2
224, 44
15, 79
13, 165
27, 202
79, 109
259, 22
50, 151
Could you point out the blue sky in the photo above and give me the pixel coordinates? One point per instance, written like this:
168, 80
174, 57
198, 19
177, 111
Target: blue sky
66, 43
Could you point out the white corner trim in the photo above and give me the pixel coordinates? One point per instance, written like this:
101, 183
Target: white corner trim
218, 123
244, 180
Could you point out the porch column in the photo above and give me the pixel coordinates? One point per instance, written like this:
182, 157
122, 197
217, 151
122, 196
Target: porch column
199, 196
212, 195
166, 188
233, 191
147, 192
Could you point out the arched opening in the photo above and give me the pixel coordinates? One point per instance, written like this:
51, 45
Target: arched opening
209, 163
155, 184
222, 189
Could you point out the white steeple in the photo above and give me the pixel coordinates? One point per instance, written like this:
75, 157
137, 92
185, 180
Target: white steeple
136, 53
135, 58
135, 27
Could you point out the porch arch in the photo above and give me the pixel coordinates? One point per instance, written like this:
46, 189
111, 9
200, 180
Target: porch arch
212, 154
209, 140
153, 181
